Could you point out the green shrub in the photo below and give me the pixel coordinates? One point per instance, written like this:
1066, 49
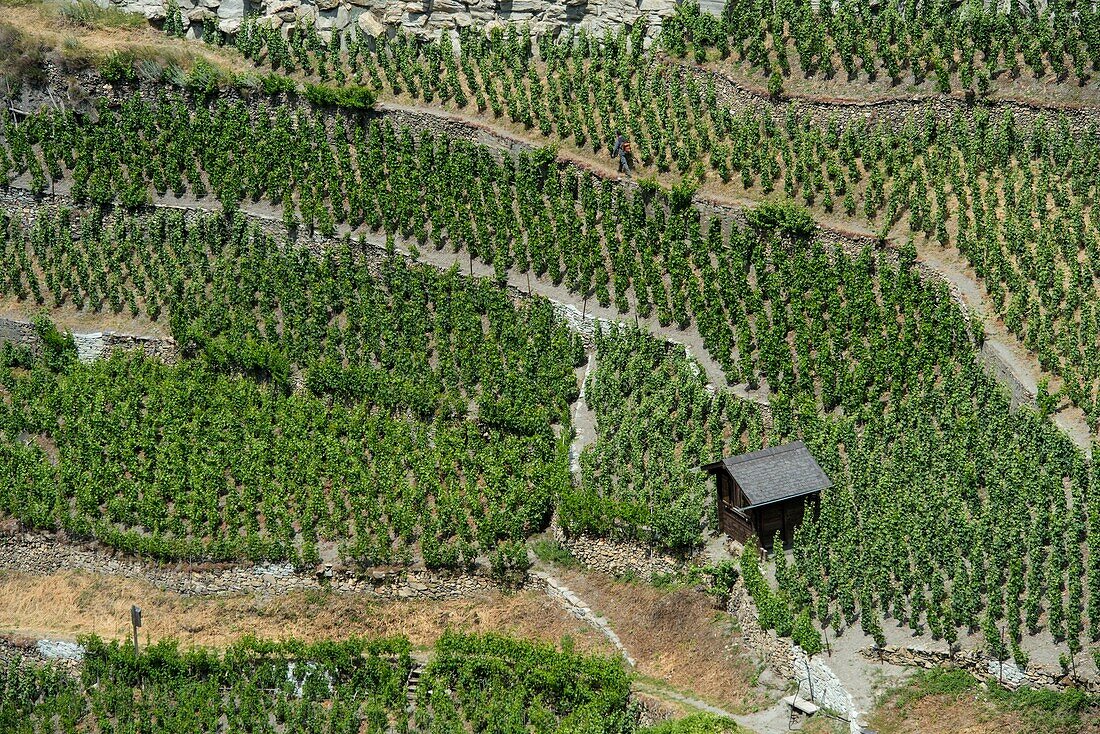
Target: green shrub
786, 217
118, 67
58, 350
510, 564
277, 84
700, 723
354, 97
551, 551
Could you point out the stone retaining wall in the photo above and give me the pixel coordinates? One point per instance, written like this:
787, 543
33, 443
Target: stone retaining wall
789, 661
91, 346
893, 113
617, 557
427, 18
981, 666
42, 554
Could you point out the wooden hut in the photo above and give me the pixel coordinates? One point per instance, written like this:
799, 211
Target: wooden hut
767, 490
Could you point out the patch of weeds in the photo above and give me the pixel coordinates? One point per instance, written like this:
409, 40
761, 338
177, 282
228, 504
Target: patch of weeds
700, 723
553, 552
21, 60
629, 576
1049, 711
934, 682
87, 14
317, 597
665, 580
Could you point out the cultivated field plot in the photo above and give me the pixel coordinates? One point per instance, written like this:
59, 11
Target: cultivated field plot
416, 320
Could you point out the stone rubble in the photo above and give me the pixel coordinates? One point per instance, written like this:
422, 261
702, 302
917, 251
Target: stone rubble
41, 554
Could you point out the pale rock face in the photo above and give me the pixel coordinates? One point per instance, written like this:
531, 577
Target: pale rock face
231, 9
201, 15
278, 6
428, 18
338, 18
370, 25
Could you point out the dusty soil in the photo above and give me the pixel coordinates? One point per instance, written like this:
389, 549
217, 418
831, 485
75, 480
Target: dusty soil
71, 603
946, 715
82, 321
1024, 88
675, 635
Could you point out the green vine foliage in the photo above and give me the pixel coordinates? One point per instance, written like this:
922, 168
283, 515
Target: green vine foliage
477, 683
1015, 196
954, 44
218, 458
656, 424
864, 358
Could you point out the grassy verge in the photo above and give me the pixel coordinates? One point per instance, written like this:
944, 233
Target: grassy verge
932, 692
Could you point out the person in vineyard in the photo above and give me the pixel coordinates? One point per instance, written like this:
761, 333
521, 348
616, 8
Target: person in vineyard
622, 150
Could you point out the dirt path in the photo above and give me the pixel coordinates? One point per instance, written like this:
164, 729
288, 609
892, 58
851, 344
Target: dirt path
1001, 344
584, 422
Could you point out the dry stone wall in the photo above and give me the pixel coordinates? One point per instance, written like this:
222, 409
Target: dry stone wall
981, 666
894, 113
42, 554
428, 18
91, 346
618, 557
789, 661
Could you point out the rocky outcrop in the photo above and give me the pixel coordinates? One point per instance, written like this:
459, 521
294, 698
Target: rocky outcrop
41, 554
428, 18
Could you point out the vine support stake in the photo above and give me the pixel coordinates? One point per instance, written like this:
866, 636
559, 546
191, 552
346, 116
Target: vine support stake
135, 622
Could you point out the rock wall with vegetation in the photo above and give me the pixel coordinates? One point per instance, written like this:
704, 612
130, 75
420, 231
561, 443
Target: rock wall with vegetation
90, 345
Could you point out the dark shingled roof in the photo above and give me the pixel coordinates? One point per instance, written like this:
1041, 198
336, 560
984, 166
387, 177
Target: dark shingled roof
775, 474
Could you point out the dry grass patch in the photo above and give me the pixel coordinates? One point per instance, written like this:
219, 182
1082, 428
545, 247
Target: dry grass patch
676, 635
71, 603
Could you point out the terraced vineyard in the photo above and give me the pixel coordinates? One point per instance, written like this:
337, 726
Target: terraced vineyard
338, 398
339, 687
426, 419
1012, 190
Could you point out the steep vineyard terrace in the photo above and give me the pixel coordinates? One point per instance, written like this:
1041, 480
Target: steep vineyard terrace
869, 362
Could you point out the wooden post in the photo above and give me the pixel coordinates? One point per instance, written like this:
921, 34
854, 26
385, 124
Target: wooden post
135, 622
810, 680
